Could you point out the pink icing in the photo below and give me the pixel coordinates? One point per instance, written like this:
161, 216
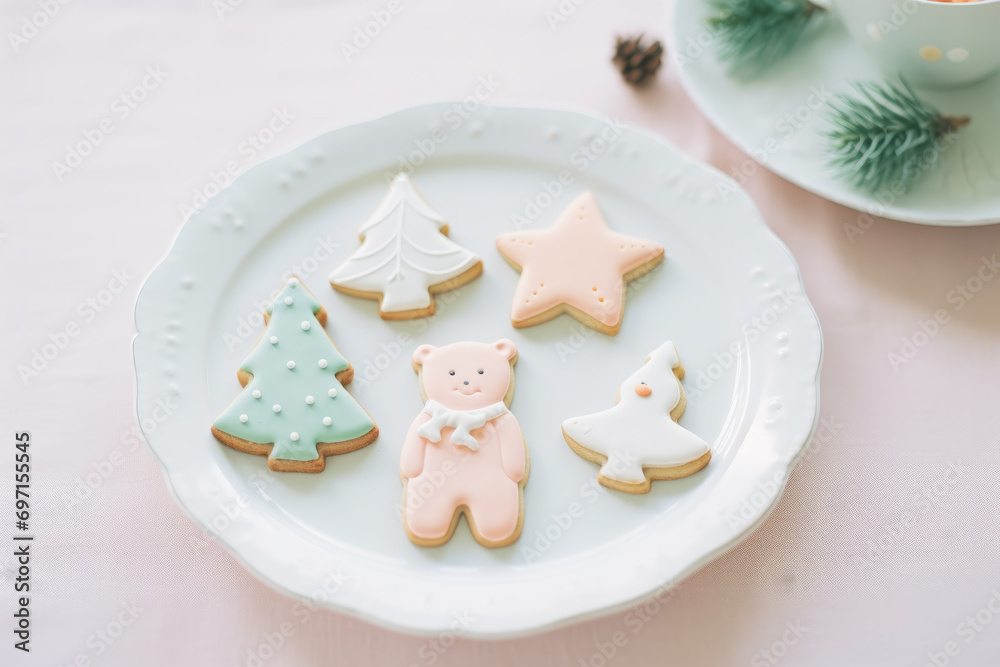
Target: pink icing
443, 476
466, 360
578, 261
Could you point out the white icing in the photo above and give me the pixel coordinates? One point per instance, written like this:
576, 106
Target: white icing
244, 418
289, 301
291, 365
323, 363
310, 400
404, 251
256, 393
332, 392
293, 436
327, 421
276, 407
274, 340
463, 421
305, 325
638, 431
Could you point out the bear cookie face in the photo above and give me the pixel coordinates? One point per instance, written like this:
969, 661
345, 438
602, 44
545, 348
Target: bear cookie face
464, 454
466, 376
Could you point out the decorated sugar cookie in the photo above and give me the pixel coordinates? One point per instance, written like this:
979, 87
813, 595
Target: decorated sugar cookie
578, 266
405, 256
293, 407
464, 453
639, 439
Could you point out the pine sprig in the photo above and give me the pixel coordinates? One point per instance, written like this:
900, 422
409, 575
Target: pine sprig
887, 136
755, 34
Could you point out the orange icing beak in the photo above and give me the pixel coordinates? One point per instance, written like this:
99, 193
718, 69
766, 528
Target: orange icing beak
643, 389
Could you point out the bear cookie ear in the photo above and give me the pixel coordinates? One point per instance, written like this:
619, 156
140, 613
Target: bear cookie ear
422, 354
506, 347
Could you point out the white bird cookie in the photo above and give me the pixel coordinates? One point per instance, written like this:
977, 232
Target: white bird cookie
639, 439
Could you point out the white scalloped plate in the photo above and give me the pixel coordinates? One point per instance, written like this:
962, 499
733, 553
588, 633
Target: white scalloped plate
778, 121
335, 538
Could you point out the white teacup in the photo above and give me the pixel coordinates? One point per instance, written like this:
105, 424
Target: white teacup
932, 44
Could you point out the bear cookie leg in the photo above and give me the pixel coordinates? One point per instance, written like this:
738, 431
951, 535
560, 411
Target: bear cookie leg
429, 514
497, 521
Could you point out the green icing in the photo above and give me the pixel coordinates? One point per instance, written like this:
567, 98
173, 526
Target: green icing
277, 384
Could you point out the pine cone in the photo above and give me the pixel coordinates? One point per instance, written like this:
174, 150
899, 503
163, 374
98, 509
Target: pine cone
949, 124
637, 61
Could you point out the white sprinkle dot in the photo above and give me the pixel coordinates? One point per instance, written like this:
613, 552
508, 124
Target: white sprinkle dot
274, 340
305, 325
244, 418
293, 283
256, 393
332, 393
310, 400
289, 301
322, 363
327, 421
293, 436
958, 55
291, 365
276, 407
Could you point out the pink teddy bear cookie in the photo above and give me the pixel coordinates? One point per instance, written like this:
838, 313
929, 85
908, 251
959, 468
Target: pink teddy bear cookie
464, 453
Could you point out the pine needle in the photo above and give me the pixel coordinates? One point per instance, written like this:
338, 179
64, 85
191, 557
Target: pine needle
886, 136
755, 34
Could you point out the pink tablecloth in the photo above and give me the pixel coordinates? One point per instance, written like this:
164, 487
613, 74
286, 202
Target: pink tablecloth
883, 550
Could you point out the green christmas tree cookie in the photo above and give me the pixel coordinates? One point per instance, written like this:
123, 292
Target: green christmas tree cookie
293, 407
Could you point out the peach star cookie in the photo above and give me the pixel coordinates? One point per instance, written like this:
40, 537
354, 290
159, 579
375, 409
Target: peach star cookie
578, 266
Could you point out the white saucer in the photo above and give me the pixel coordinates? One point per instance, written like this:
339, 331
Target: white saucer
776, 119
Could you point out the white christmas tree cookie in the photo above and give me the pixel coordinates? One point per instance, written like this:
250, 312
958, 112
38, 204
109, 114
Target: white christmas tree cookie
639, 439
293, 407
405, 256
